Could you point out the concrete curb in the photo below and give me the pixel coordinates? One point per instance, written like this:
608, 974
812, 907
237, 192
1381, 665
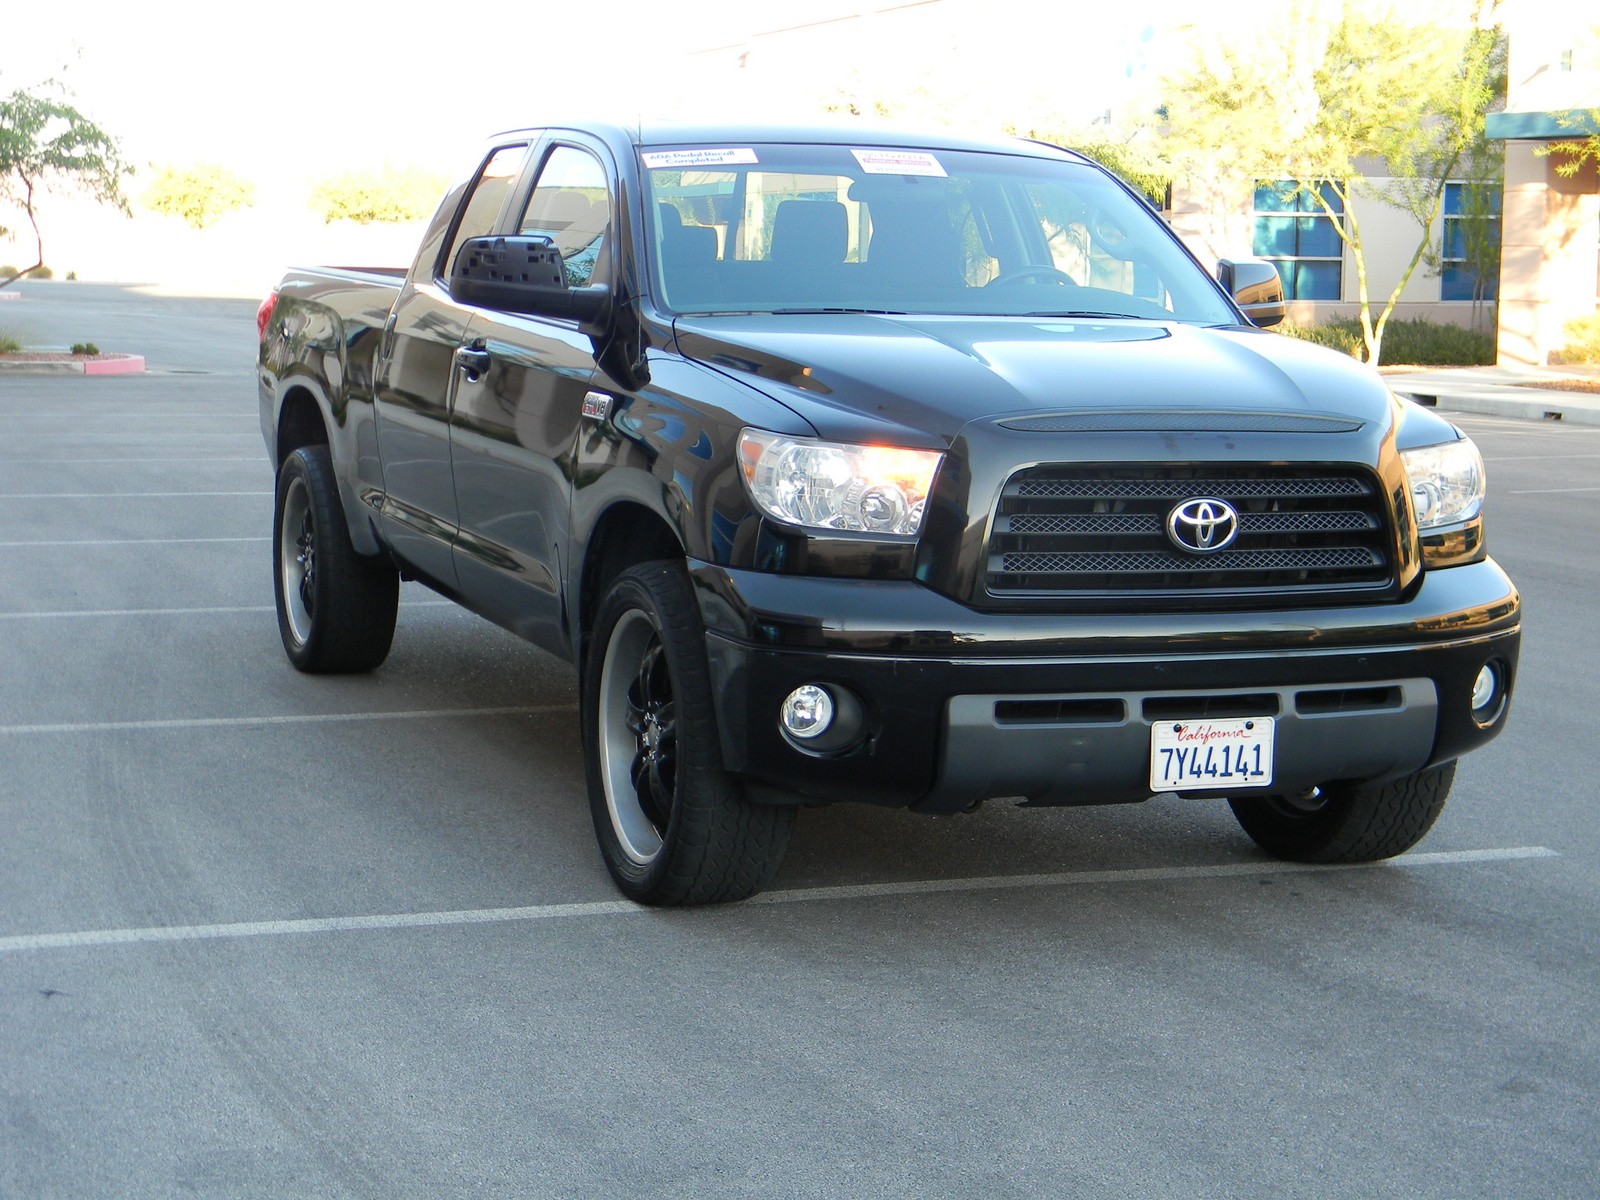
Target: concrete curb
1502, 392
1544, 406
105, 364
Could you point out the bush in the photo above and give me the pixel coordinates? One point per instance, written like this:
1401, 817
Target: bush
388, 196
1415, 342
7, 271
1583, 340
199, 194
9, 344
88, 348
1341, 335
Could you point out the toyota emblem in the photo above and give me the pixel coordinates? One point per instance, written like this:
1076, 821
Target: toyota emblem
1203, 526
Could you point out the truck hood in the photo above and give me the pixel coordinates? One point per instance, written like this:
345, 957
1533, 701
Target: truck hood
920, 379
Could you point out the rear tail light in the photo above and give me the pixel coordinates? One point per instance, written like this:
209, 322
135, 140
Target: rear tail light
264, 314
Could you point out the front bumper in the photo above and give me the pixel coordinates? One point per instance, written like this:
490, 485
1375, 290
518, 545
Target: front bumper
962, 706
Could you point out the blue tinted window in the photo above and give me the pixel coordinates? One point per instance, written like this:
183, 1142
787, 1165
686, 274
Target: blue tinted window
1457, 281
1289, 195
1316, 280
1306, 249
1275, 237
1457, 194
1280, 196
1297, 237
1318, 238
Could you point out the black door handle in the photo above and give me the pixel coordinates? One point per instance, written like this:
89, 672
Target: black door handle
474, 360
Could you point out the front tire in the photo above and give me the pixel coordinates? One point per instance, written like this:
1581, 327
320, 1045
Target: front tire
1348, 822
336, 608
673, 827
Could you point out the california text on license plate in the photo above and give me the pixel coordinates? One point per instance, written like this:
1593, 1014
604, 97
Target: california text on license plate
1190, 755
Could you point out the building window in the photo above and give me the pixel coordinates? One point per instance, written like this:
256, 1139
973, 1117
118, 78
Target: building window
1471, 252
1295, 232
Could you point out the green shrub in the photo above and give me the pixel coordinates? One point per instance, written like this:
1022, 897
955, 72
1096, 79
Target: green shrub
390, 195
41, 273
9, 272
1414, 342
1583, 340
9, 344
199, 194
1341, 335
1433, 344
88, 348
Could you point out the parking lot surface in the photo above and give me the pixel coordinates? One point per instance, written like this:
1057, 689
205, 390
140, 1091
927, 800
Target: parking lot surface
263, 934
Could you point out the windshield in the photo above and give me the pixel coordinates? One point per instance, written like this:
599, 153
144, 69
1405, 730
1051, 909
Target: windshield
797, 228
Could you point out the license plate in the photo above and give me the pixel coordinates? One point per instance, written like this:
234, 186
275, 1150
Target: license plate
1187, 756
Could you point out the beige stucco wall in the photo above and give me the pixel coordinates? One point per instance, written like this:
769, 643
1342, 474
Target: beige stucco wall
1551, 226
1215, 219
1548, 256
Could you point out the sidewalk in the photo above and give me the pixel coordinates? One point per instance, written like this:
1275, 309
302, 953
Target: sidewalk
1504, 391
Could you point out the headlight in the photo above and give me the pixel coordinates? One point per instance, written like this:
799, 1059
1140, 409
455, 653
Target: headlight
1446, 483
822, 485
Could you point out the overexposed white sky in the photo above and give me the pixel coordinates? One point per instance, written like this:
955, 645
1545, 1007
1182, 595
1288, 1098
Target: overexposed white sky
290, 93
303, 88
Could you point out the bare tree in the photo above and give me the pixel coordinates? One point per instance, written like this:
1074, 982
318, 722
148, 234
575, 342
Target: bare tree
46, 143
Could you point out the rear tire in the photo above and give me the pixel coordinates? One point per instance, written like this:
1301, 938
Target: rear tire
673, 826
1349, 822
336, 608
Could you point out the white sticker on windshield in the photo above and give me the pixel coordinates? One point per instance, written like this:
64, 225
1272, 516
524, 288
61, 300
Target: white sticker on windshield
899, 162
656, 159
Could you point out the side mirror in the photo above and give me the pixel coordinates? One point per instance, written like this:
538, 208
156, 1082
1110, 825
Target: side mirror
1256, 287
526, 275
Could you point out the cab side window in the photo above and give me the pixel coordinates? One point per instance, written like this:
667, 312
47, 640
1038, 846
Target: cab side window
488, 197
571, 206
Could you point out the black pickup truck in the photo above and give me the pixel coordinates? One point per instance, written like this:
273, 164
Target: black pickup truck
853, 465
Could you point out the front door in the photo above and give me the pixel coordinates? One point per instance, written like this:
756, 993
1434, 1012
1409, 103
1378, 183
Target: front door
420, 370
515, 426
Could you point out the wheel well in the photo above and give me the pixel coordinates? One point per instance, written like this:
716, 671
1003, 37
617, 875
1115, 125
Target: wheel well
299, 424
628, 534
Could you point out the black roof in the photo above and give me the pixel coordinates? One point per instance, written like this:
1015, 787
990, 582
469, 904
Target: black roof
845, 131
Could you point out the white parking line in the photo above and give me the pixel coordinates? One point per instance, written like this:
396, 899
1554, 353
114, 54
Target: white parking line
133, 542
1538, 458
116, 495
49, 614
421, 714
1549, 491
185, 415
75, 462
1529, 426
623, 908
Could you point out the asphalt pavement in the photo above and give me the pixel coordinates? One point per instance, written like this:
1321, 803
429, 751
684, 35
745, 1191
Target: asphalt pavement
268, 935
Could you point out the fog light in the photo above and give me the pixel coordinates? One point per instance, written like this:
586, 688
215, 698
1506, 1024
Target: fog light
1485, 690
807, 712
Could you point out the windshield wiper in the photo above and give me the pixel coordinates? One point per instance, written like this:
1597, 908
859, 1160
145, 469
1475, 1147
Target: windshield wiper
1108, 316
873, 312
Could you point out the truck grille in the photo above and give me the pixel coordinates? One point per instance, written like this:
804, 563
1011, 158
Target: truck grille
1090, 532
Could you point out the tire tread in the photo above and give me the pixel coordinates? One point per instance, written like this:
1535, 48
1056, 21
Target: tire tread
1361, 822
358, 595
720, 846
